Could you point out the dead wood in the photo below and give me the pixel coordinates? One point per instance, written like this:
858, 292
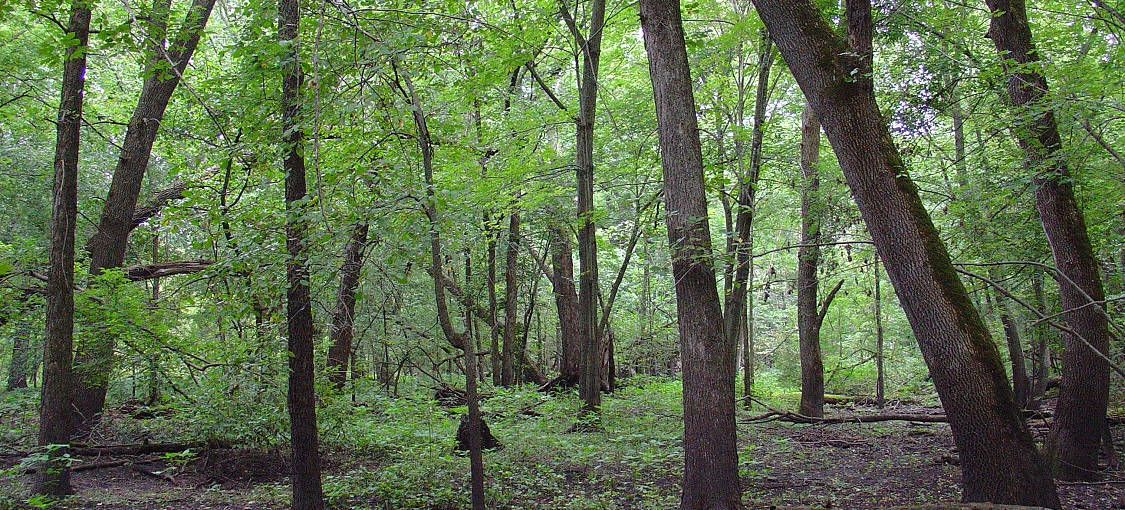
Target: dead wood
131, 449
159, 475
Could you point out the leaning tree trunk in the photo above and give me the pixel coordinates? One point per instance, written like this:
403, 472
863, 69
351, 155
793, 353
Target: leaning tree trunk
107, 246
342, 331
56, 423
1079, 416
307, 491
999, 461
710, 446
809, 319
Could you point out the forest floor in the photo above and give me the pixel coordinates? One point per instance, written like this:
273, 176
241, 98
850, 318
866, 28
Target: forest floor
405, 460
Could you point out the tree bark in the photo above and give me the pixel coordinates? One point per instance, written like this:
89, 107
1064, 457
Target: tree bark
880, 374
590, 45
1020, 380
107, 245
56, 423
307, 491
998, 458
736, 312
808, 259
566, 303
1075, 434
513, 346
342, 330
710, 447
21, 354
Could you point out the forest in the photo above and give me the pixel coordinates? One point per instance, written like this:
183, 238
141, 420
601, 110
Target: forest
574, 254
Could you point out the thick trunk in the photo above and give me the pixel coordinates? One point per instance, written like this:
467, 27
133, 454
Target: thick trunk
566, 303
343, 327
1083, 396
56, 422
513, 345
998, 458
307, 491
808, 258
710, 447
107, 245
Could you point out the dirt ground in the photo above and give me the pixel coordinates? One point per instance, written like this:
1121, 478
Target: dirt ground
852, 465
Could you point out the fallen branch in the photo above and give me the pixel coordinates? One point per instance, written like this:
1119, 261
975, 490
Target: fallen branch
160, 475
133, 449
162, 269
786, 416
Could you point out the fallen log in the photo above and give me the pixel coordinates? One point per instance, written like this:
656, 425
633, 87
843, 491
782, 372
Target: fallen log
859, 418
131, 449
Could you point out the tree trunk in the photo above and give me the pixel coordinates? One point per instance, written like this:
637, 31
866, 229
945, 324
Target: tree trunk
735, 311
55, 419
710, 447
566, 302
1015, 353
1083, 396
107, 245
21, 354
590, 46
307, 491
459, 340
808, 259
342, 330
495, 361
880, 374
513, 346
1042, 370
998, 458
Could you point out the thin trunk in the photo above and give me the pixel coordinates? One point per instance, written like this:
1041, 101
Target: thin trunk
307, 491
513, 347
342, 330
808, 259
21, 351
107, 246
1073, 443
459, 340
590, 48
710, 446
1020, 382
1040, 332
736, 308
999, 461
880, 374
495, 361
56, 422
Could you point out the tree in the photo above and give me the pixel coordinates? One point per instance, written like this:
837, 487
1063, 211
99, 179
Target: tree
342, 330
1083, 396
810, 316
710, 444
307, 491
163, 72
590, 48
55, 421
999, 462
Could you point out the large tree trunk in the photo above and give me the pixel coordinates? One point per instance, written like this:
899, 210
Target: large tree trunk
56, 422
1083, 396
710, 447
808, 258
566, 302
998, 458
343, 317
107, 245
307, 491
